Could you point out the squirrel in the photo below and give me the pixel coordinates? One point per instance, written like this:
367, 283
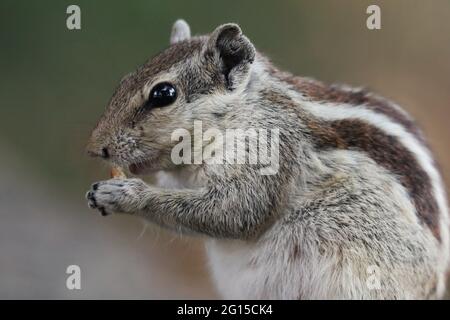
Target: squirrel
356, 210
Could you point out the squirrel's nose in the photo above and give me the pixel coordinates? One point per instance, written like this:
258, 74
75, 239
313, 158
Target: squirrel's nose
98, 152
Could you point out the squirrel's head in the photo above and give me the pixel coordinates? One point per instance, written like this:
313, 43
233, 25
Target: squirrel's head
195, 78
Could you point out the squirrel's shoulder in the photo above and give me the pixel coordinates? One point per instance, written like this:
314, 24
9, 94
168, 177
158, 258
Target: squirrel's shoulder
340, 94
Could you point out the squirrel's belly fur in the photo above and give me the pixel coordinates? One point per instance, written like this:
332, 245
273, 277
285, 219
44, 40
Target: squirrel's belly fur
330, 248
335, 244
357, 208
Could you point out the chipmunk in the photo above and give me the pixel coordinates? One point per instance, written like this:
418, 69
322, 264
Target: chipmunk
356, 210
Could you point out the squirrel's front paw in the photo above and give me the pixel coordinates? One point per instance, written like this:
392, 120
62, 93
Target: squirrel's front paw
116, 195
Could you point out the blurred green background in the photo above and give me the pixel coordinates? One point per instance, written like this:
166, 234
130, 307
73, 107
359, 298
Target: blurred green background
56, 82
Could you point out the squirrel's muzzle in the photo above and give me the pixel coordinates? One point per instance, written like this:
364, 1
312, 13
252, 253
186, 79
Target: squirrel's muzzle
97, 152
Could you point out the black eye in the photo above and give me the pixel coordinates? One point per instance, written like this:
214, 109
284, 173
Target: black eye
162, 95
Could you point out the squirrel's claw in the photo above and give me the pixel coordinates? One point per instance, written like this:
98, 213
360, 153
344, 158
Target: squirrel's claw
115, 195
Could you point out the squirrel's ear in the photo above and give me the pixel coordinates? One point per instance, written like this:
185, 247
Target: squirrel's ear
233, 52
180, 31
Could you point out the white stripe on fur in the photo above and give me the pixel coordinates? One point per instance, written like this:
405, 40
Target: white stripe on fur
331, 111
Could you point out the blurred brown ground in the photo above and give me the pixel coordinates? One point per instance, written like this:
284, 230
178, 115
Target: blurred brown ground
55, 84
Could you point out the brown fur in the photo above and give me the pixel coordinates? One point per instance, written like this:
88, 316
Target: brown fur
318, 91
387, 151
